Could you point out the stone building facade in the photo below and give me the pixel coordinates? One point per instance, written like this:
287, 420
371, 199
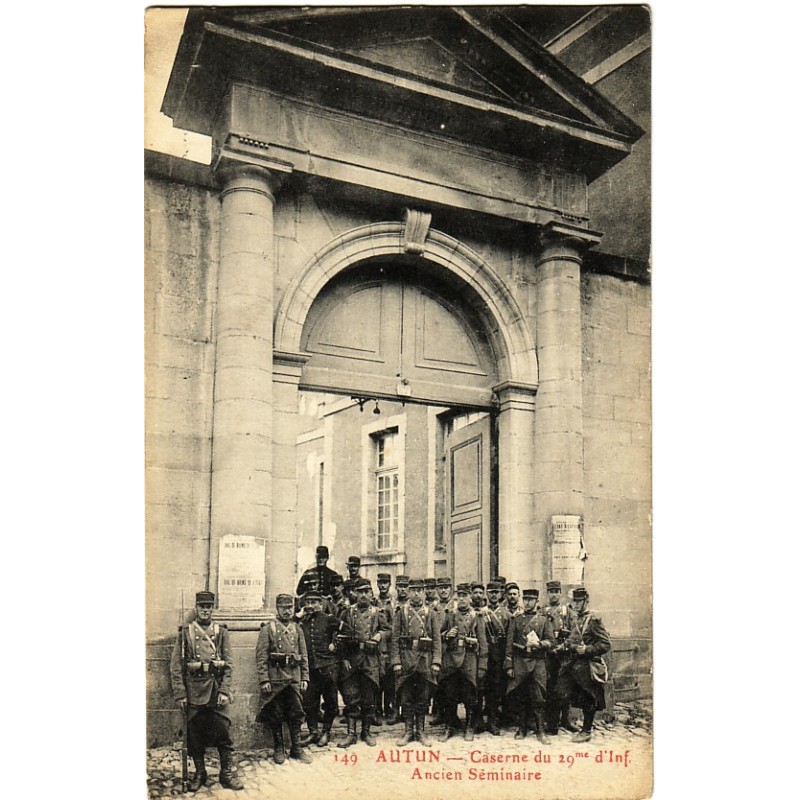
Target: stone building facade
442, 213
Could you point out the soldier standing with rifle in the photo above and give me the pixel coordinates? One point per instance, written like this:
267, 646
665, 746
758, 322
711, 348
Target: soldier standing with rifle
562, 618
386, 693
529, 637
282, 667
497, 617
581, 678
416, 659
201, 670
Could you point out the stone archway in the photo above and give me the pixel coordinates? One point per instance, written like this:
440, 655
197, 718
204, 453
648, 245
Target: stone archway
505, 325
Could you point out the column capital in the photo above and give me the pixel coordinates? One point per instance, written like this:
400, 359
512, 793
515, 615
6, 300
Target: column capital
516, 395
244, 164
559, 240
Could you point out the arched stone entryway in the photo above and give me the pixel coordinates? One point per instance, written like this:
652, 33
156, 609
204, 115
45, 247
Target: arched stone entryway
492, 306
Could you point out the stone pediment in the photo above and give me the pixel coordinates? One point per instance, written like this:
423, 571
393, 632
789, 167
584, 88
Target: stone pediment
473, 71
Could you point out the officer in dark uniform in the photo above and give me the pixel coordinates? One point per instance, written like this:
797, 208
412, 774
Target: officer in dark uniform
577, 680
320, 631
321, 571
282, 667
386, 694
496, 618
361, 663
201, 669
463, 662
416, 660
530, 636
562, 617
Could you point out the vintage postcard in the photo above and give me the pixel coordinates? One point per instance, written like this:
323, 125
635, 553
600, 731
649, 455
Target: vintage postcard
398, 415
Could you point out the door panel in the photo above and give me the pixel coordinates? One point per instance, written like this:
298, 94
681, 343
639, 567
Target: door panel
468, 501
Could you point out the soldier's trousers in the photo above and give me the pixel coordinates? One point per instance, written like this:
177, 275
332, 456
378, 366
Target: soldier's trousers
457, 689
322, 684
495, 690
359, 694
208, 729
528, 698
415, 694
386, 695
284, 706
557, 696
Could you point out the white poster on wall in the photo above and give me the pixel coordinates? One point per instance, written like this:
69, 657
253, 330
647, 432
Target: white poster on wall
241, 573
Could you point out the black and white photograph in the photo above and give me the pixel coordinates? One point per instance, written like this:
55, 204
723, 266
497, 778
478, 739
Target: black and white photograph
398, 484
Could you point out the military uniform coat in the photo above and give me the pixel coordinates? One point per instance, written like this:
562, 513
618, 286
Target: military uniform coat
458, 658
496, 624
202, 687
320, 632
589, 630
322, 574
284, 639
528, 664
411, 623
365, 624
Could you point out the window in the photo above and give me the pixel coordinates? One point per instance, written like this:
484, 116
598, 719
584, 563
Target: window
387, 490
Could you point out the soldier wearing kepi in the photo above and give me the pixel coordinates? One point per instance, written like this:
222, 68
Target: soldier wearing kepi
529, 637
386, 694
320, 631
583, 674
282, 667
321, 571
416, 660
463, 662
339, 601
201, 670
361, 664
353, 568
562, 618
497, 618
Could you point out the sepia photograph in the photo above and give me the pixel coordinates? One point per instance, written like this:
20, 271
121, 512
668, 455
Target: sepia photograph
398, 460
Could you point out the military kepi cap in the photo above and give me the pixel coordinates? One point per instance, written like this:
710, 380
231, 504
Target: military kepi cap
417, 583
499, 579
463, 588
444, 582
580, 593
384, 576
430, 583
312, 595
354, 561
402, 580
494, 586
322, 551
476, 585
284, 600
553, 585
512, 585
361, 583
204, 597
530, 592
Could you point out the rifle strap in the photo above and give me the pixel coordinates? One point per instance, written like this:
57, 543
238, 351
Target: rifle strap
212, 642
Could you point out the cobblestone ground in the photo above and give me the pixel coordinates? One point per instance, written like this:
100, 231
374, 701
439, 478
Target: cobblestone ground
617, 762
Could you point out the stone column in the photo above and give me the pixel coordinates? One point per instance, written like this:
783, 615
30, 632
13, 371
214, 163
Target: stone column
518, 555
558, 427
241, 461
282, 554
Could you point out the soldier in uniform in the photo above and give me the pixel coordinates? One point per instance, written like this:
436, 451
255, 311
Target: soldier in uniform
282, 668
588, 642
431, 596
320, 631
463, 662
201, 669
321, 571
530, 636
478, 592
497, 617
512, 599
348, 592
361, 664
338, 600
386, 694
562, 618
353, 568
444, 588
416, 660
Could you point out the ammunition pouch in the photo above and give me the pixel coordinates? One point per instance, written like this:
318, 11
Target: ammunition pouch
344, 643
369, 646
283, 659
471, 644
422, 645
529, 652
425, 644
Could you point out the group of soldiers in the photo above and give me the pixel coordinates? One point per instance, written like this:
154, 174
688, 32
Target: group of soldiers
492, 649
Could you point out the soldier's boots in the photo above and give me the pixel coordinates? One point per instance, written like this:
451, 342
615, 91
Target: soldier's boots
541, 734
375, 719
582, 736
366, 736
408, 736
522, 731
469, 731
325, 736
585, 734
312, 737
351, 737
566, 722
278, 756
200, 777
419, 726
451, 725
394, 717
227, 772
296, 751
491, 722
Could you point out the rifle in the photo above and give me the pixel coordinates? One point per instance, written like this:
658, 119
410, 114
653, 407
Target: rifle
185, 739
